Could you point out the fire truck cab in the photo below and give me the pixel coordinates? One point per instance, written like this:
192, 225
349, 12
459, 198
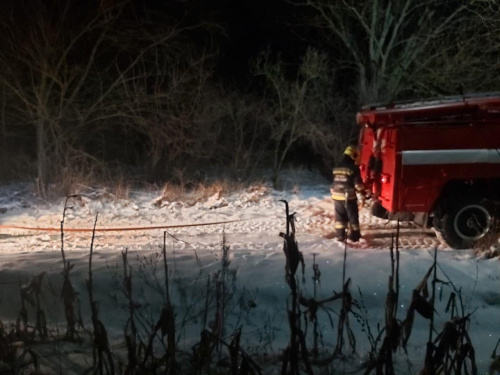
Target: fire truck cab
436, 161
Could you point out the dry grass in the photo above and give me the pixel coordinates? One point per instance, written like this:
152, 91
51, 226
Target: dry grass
121, 189
171, 193
202, 191
93, 176
256, 192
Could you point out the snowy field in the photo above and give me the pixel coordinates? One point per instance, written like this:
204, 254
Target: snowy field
251, 221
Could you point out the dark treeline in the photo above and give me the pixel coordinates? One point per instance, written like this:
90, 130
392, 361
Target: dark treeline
172, 90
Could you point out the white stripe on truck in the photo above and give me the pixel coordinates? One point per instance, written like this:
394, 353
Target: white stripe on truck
460, 156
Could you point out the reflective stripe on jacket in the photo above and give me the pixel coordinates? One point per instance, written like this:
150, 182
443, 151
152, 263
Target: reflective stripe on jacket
346, 180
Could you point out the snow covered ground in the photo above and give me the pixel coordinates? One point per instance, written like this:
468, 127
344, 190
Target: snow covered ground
253, 219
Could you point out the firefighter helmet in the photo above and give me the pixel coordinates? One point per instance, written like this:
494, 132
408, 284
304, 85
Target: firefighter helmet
352, 151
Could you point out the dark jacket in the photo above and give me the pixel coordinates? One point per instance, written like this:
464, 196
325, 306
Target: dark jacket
346, 180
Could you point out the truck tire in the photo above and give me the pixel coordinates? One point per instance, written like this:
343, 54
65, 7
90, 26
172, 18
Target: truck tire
378, 211
465, 222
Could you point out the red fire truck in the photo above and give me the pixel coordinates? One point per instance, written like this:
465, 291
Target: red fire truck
435, 161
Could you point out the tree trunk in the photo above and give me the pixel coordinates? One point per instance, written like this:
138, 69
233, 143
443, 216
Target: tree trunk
41, 154
3, 137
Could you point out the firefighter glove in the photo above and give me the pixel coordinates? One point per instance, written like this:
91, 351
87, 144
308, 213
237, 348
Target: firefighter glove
368, 194
361, 199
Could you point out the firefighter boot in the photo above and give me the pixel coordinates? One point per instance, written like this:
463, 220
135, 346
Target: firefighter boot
354, 235
340, 234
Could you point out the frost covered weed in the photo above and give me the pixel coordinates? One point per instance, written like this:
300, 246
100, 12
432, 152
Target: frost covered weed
296, 353
150, 272
32, 293
7, 349
215, 191
132, 338
495, 364
172, 192
215, 306
219, 349
121, 189
220, 187
256, 192
489, 246
69, 296
103, 362
84, 173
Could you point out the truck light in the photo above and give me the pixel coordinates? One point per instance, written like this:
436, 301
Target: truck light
385, 178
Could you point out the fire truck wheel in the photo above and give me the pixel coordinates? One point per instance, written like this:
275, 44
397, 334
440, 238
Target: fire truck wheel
463, 225
378, 210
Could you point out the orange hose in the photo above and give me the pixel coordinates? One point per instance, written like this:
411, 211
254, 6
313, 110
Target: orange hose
97, 229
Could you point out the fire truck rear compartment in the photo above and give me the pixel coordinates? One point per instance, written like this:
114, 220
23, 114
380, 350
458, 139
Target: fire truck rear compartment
440, 164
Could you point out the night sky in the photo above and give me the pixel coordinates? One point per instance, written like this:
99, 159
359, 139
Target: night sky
243, 28
251, 27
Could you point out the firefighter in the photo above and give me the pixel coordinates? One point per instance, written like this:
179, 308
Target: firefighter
347, 186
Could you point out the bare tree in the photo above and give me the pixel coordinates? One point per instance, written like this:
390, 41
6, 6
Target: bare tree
386, 43
35, 61
298, 108
65, 69
244, 132
170, 101
465, 59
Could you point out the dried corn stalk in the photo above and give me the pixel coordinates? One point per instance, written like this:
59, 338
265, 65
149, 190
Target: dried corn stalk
420, 304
